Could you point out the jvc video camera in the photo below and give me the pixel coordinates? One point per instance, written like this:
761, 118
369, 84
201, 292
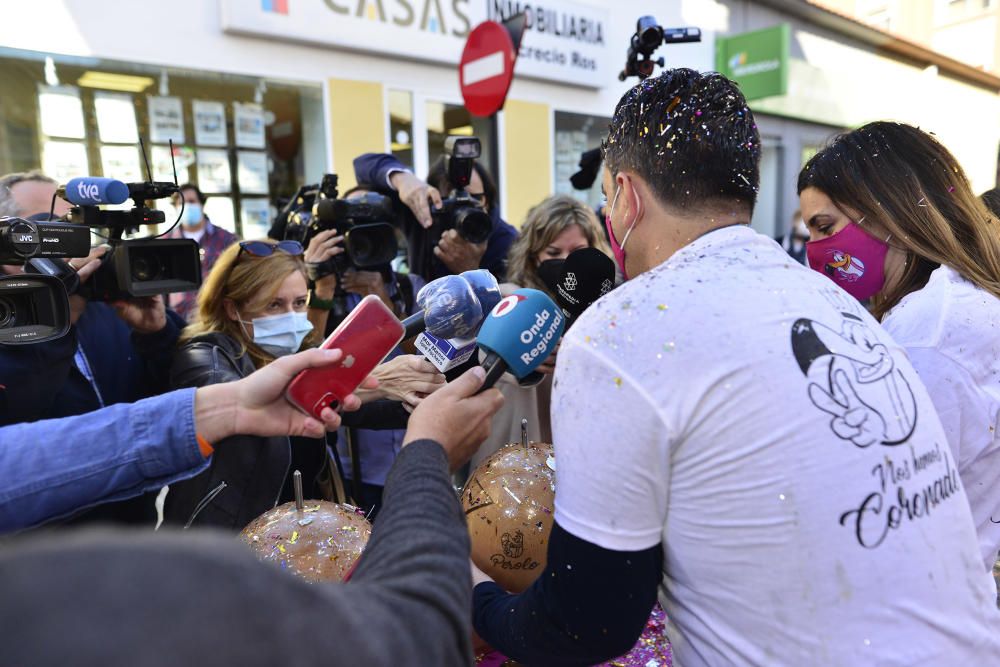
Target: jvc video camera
21, 240
364, 222
460, 211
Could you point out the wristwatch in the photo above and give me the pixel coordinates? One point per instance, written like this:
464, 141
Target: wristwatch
319, 304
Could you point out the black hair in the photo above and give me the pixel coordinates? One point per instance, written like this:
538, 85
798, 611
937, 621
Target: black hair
437, 176
196, 190
691, 137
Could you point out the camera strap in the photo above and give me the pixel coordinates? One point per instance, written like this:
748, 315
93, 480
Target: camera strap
84, 367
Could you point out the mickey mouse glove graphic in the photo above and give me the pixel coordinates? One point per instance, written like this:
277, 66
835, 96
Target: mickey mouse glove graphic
855, 380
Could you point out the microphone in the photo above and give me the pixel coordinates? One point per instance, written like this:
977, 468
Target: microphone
486, 287
586, 276
519, 334
448, 309
88, 191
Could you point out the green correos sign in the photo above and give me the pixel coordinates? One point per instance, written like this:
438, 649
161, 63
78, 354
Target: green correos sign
757, 60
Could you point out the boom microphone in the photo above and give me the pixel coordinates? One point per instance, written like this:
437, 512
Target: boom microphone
586, 276
448, 309
88, 191
519, 335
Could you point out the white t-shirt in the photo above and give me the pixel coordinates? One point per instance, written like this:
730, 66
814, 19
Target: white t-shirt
749, 415
951, 331
194, 235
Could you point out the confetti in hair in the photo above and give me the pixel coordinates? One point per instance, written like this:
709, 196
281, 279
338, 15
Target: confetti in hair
691, 136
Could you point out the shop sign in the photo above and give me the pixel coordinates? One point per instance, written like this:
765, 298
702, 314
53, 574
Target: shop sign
757, 60
564, 41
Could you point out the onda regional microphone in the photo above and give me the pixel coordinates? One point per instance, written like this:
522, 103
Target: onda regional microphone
519, 334
88, 191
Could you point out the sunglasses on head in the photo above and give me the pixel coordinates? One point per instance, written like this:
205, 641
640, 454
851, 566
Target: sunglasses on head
265, 249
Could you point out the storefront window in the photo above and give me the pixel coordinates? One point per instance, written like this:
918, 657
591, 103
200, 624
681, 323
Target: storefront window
401, 126
245, 142
444, 120
575, 134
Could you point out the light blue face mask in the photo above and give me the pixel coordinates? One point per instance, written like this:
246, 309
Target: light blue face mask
280, 335
192, 215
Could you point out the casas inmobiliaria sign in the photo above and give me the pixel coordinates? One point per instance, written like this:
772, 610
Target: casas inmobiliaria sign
563, 41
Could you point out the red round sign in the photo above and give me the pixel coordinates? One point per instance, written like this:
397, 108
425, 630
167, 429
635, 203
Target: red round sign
486, 69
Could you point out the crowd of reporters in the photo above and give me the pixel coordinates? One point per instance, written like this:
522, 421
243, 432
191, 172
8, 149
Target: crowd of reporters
184, 418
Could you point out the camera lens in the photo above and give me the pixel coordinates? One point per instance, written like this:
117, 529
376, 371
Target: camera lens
473, 224
8, 313
146, 268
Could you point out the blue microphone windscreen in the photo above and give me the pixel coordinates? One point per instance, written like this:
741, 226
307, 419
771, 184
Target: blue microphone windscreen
87, 191
523, 329
486, 287
451, 309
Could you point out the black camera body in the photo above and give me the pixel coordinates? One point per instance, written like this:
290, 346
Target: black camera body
460, 211
140, 267
21, 240
648, 37
364, 222
145, 267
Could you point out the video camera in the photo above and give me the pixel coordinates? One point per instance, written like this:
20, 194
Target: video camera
647, 38
364, 221
460, 211
34, 306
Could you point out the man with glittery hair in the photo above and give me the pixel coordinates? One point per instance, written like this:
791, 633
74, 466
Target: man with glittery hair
735, 435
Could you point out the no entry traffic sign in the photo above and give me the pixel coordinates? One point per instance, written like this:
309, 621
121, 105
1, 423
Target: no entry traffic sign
487, 68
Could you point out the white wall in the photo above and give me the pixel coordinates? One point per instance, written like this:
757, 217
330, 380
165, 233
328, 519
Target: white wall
188, 34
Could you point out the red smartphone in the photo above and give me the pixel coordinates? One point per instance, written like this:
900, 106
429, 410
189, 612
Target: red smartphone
366, 337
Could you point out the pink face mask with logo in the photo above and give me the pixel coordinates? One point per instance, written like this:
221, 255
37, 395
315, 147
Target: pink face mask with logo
851, 258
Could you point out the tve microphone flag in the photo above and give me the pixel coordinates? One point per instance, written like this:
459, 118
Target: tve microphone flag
92, 191
519, 334
448, 309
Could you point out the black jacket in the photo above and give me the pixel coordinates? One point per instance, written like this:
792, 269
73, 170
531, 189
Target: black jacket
247, 473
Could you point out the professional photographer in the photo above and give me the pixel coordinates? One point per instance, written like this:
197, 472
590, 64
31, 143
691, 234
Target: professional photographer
368, 453
436, 247
211, 241
115, 352
251, 310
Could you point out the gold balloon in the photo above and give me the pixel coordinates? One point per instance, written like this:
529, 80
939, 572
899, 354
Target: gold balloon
321, 542
509, 501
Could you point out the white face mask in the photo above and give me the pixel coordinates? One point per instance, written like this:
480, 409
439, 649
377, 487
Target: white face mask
280, 335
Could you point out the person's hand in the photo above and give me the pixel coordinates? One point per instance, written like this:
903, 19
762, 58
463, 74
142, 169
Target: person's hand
408, 378
456, 417
322, 247
548, 366
144, 315
256, 404
84, 267
458, 254
364, 283
415, 194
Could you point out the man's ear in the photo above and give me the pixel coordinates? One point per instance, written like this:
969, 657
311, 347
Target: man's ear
231, 311
630, 195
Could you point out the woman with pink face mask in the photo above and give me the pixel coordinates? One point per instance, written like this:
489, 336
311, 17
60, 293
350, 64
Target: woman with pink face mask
892, 220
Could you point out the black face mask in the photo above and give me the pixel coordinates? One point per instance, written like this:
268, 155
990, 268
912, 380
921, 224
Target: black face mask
550, 271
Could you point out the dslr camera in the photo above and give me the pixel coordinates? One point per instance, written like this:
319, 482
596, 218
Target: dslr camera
364, 221
460, 211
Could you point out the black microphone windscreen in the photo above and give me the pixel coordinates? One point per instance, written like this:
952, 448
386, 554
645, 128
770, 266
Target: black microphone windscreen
588, 274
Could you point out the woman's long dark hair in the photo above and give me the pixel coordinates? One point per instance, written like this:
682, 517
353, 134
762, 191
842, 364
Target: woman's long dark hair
901, 180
